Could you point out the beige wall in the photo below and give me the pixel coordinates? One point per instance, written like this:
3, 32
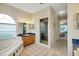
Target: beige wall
53, 19
72, 32
44, 13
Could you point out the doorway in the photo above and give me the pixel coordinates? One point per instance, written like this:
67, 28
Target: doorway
44, 31
63, 29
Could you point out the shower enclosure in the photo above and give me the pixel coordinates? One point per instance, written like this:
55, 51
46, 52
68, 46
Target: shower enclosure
44, 31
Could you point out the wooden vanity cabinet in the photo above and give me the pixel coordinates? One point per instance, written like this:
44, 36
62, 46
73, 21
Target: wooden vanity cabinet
27, 40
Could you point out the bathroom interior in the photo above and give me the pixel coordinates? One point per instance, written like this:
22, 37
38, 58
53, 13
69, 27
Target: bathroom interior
68, 29
39, 28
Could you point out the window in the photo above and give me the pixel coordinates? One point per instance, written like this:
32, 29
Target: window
7, 27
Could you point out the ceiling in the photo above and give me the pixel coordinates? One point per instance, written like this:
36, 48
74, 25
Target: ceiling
60, 8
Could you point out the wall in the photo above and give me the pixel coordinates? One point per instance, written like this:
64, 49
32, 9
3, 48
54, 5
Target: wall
53, 25
72, 32
44, 13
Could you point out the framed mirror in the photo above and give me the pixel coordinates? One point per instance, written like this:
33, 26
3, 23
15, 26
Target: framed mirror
77, 20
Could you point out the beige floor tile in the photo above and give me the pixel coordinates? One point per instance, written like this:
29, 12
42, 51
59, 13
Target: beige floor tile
60, 49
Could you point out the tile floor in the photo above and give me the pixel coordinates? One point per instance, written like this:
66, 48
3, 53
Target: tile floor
60, 49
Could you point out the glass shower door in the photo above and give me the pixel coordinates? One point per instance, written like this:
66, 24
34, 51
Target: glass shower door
44, 31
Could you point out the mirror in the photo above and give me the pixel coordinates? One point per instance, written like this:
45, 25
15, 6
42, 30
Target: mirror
77, 20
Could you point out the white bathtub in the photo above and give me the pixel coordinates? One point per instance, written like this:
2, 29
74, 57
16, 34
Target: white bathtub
8, 47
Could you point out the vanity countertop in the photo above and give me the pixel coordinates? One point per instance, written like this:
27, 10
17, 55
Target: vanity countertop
26, 35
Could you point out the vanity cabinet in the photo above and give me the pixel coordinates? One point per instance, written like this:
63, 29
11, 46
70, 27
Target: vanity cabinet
27, 40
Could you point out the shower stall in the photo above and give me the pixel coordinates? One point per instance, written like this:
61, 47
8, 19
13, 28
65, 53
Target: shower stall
44, 31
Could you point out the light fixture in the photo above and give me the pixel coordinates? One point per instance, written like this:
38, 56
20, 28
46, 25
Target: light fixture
61, 12
41, 3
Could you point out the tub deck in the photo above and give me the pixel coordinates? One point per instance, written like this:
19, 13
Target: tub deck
6, 45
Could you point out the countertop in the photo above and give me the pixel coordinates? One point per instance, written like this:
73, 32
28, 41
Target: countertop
25, 35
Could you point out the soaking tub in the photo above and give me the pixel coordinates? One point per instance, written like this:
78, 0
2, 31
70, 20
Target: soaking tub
8, 47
